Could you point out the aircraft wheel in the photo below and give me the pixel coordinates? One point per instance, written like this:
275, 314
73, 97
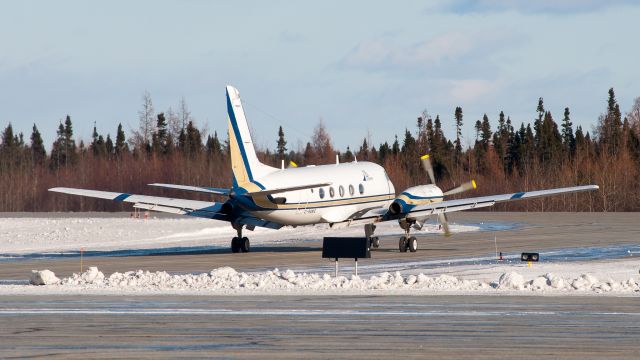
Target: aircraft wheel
375, 242
402, 244
245, 245
235, 245
413, 244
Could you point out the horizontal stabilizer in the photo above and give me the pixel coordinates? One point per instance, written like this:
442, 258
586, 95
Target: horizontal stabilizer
209, 190
156, 203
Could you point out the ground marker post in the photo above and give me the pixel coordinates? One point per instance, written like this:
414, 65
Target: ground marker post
81, 253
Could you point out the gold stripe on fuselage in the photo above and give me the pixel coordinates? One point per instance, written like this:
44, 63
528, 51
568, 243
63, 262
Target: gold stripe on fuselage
264, 202
410, 201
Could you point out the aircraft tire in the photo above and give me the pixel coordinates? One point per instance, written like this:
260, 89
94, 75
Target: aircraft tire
402, 244
245, 244
412, 244
235, 245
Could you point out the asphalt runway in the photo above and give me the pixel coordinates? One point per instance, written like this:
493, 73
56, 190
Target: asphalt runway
169, 326
458, 327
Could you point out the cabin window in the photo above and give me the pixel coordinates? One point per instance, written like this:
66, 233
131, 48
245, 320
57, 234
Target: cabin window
332, 192
361, 189
341, 191
321, 193
351, 190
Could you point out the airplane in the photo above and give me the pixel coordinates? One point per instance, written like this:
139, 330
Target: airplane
340, 194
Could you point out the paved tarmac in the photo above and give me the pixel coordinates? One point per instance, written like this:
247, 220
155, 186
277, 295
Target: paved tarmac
335, 326
456, 327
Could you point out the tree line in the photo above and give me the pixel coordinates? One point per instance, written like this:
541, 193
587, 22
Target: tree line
170, 147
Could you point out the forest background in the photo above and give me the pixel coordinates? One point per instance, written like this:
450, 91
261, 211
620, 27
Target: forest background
170, 147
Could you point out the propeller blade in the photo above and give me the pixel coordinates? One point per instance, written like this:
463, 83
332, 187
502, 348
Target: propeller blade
462, 188
426, 163
442, 217
292, 164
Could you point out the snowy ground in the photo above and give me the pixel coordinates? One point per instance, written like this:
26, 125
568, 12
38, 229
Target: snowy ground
599, 271
19, 236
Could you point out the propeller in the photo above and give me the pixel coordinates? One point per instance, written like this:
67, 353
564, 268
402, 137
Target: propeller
442, 217
426, 163
462, 188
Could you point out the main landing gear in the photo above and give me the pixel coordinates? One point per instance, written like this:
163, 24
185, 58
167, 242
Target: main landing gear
407, 242
239, 243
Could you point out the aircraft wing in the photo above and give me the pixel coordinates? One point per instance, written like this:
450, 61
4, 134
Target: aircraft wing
209, 190
162, 204
422, 211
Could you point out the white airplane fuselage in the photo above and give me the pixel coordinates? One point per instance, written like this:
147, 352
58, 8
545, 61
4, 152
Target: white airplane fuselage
356, 187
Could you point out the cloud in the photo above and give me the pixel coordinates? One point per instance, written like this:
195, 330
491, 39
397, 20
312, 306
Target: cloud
450, 54
529, 6
471, 90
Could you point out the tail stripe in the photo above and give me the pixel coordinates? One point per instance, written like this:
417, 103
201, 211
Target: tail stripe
236, 132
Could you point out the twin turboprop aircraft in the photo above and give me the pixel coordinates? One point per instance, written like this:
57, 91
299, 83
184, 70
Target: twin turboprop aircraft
341, 194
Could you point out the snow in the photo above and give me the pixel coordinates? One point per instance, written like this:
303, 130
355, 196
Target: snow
44, 277
517, 280
19, 236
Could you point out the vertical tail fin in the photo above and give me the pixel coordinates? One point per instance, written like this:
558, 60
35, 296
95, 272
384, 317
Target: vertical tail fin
244, 161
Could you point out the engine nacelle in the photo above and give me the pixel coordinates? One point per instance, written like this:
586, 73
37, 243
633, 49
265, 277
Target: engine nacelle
415, 195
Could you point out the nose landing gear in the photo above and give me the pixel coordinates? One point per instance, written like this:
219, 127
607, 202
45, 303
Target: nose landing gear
240, 243
407, 242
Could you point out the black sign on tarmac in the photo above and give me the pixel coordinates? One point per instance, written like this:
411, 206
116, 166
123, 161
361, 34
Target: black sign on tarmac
346, 247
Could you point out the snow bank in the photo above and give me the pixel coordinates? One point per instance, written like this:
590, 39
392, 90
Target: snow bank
227, 280
43, 277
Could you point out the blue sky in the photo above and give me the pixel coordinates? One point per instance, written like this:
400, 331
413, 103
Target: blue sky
364, 67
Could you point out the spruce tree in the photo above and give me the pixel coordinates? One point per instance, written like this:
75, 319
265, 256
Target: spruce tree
281, 149
458, 115
38, 152
121, 146
568, 139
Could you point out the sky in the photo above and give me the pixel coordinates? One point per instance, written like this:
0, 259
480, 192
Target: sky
366, 68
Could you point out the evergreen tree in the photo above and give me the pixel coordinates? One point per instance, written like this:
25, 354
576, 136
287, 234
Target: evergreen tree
485, 132
568, 139
109, 146
395, 148
121, 146
610, 126
190, 140
213, 145
537, 124
161, 142
458, 115
281, 149
38, 152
